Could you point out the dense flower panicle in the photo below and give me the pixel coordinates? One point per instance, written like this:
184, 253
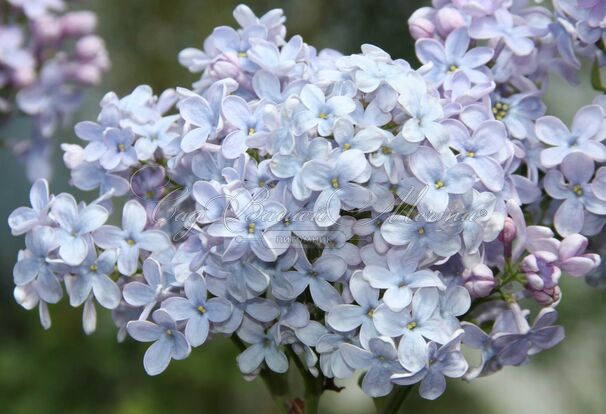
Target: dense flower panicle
48, 56
364, 214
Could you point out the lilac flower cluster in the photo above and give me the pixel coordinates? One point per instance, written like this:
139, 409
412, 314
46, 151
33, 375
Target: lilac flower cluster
333, 212
47, 57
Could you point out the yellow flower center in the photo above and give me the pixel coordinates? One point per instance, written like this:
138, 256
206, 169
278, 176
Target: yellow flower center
386, 150
346, 146
121, 147
578, 190
251, 228
334, 182
421, 231
471, 154
169, 332
323, 115
500, 110
452, 69
411, 326
201, 309
242, 55
93, 267
439, 184
130, 242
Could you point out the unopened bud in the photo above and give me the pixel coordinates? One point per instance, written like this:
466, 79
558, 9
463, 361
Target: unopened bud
421, 23
448, 19
479, 281
78, 23
509, 232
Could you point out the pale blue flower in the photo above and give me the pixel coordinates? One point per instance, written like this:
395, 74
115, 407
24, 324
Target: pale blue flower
338, 183
380, 363
446, 360
585, 136
205, 115
318, 276
572, 185
131, 238
320, 112
197, 309
168, 342
501, 25
93, 275
76, 225
24, 219
263, 348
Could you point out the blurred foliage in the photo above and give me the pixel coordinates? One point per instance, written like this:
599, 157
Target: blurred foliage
62, 371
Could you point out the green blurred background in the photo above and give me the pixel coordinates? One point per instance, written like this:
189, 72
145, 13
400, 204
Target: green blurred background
62, 371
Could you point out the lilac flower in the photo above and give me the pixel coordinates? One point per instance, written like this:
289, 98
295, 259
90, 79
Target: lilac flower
150, 293
518, 112
515, 347
94, 275
572, 186
263, 348
131, 238
366, 140
254, 215
155, 135
267, 87
205, 115
33, 265
446, 360
380, 361
400, 277
453, 56
345, 318
436, 180
321, 112
76, 224
281, 62
326, 269
426, 236
338, 183
502, 26
119, 151
424, 110
585, 136
197, 309
24, 219
480, 151
247, 124
168, 342
422, 321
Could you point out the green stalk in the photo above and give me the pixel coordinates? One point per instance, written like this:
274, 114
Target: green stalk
313, 385
392, 403
277, 384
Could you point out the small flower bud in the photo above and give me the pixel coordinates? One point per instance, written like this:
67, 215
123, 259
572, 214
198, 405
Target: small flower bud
89, 47
46, 30
421, 23
23, 77
78, 23
447, 20
509, 232
547, 297
479, 281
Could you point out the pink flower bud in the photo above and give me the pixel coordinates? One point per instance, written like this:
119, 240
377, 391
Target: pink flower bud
421, 23
479, 281
86, 74
547, 297
46, 29
447, 20
89, 47
78, 23
509, 232
23, 77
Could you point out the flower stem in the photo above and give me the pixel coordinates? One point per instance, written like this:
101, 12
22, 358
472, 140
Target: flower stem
392, 403
277, 384
313, 385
